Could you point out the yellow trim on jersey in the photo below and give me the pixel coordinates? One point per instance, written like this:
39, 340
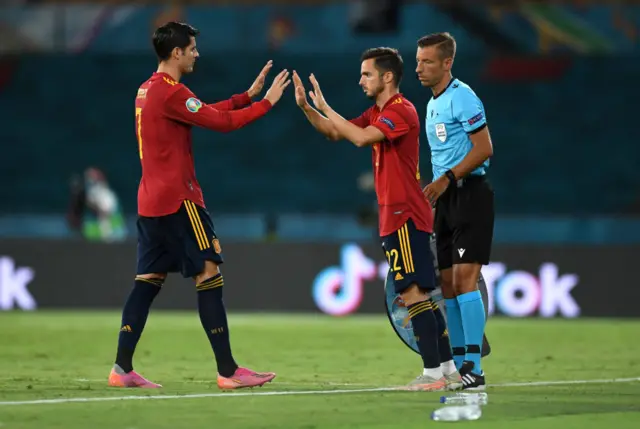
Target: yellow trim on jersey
169, 81
196, 223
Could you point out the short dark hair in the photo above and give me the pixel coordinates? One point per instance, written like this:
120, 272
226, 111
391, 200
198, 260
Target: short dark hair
445, 43
386, 60
170, 36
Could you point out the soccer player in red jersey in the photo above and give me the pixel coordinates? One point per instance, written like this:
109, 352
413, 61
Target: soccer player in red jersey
175, 231
392, 128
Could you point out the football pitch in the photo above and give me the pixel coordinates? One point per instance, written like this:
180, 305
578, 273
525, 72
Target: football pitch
332, 373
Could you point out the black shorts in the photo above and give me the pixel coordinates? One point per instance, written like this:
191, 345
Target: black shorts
410, 258
180, 242
463, 223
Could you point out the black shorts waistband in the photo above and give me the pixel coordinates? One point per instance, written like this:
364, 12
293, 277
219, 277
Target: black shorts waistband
472, 178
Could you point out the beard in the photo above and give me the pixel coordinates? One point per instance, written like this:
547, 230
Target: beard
375, 92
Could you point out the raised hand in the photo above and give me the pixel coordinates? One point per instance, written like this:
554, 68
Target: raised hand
258, 84
316, 95
301, 97
278, 86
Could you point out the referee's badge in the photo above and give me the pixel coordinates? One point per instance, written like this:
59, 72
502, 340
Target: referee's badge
441, 132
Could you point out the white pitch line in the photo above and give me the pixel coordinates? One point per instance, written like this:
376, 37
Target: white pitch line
302, 392
567, 382
197, 395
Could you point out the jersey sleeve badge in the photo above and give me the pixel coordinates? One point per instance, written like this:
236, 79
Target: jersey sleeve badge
193, 105
476, 118
387, 121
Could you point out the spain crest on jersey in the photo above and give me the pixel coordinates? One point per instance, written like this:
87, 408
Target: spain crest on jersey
216, 245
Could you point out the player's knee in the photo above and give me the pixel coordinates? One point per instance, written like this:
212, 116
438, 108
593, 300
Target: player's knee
413, 294
148, 284
465, 278
214, 282
210, 270
446, 283
210, 278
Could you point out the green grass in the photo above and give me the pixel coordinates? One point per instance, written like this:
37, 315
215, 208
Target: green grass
47, 355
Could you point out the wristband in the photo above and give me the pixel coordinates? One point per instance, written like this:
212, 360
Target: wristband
450, 176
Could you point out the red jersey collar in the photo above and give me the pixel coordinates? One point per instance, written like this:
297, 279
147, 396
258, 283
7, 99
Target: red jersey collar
165, 76
389, 101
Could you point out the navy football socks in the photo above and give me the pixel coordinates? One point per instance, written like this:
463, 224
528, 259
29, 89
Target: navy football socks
214, 321
425, 330
134, 317
444, 345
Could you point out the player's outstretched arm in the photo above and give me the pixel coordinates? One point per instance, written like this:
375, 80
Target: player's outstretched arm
182, 105
358, 136
319, 122
239, 101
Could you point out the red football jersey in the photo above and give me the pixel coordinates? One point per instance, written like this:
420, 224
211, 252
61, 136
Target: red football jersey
396, 165
165, 112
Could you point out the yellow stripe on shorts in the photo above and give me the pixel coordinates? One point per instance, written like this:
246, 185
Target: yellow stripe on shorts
405, 248
196, 223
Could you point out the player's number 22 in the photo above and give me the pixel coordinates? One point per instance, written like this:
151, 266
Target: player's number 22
139, 126
393, 254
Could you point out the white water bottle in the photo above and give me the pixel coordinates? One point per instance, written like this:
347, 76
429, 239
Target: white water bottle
466, 399
457, 413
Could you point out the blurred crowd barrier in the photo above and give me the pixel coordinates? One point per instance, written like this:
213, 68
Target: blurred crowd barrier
335, 279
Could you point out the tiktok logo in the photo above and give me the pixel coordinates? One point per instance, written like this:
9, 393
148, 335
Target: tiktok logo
13, 286
520, 294
338, 290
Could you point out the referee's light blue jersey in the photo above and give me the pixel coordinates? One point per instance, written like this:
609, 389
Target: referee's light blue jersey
451, 117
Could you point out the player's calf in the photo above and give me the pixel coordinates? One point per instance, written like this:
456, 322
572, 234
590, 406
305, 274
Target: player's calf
134, 317
471, 309
447, 365
425, 329
213, 317
454, 318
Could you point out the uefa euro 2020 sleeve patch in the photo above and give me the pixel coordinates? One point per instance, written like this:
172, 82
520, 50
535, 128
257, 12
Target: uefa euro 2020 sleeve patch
193, 105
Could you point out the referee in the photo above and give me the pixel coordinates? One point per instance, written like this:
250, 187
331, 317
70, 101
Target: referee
460, 150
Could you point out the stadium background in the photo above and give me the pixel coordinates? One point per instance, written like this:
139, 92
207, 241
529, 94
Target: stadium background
558, 79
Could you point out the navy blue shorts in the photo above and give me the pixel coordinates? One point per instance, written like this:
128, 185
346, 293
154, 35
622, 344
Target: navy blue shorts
410, 258
180, 242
